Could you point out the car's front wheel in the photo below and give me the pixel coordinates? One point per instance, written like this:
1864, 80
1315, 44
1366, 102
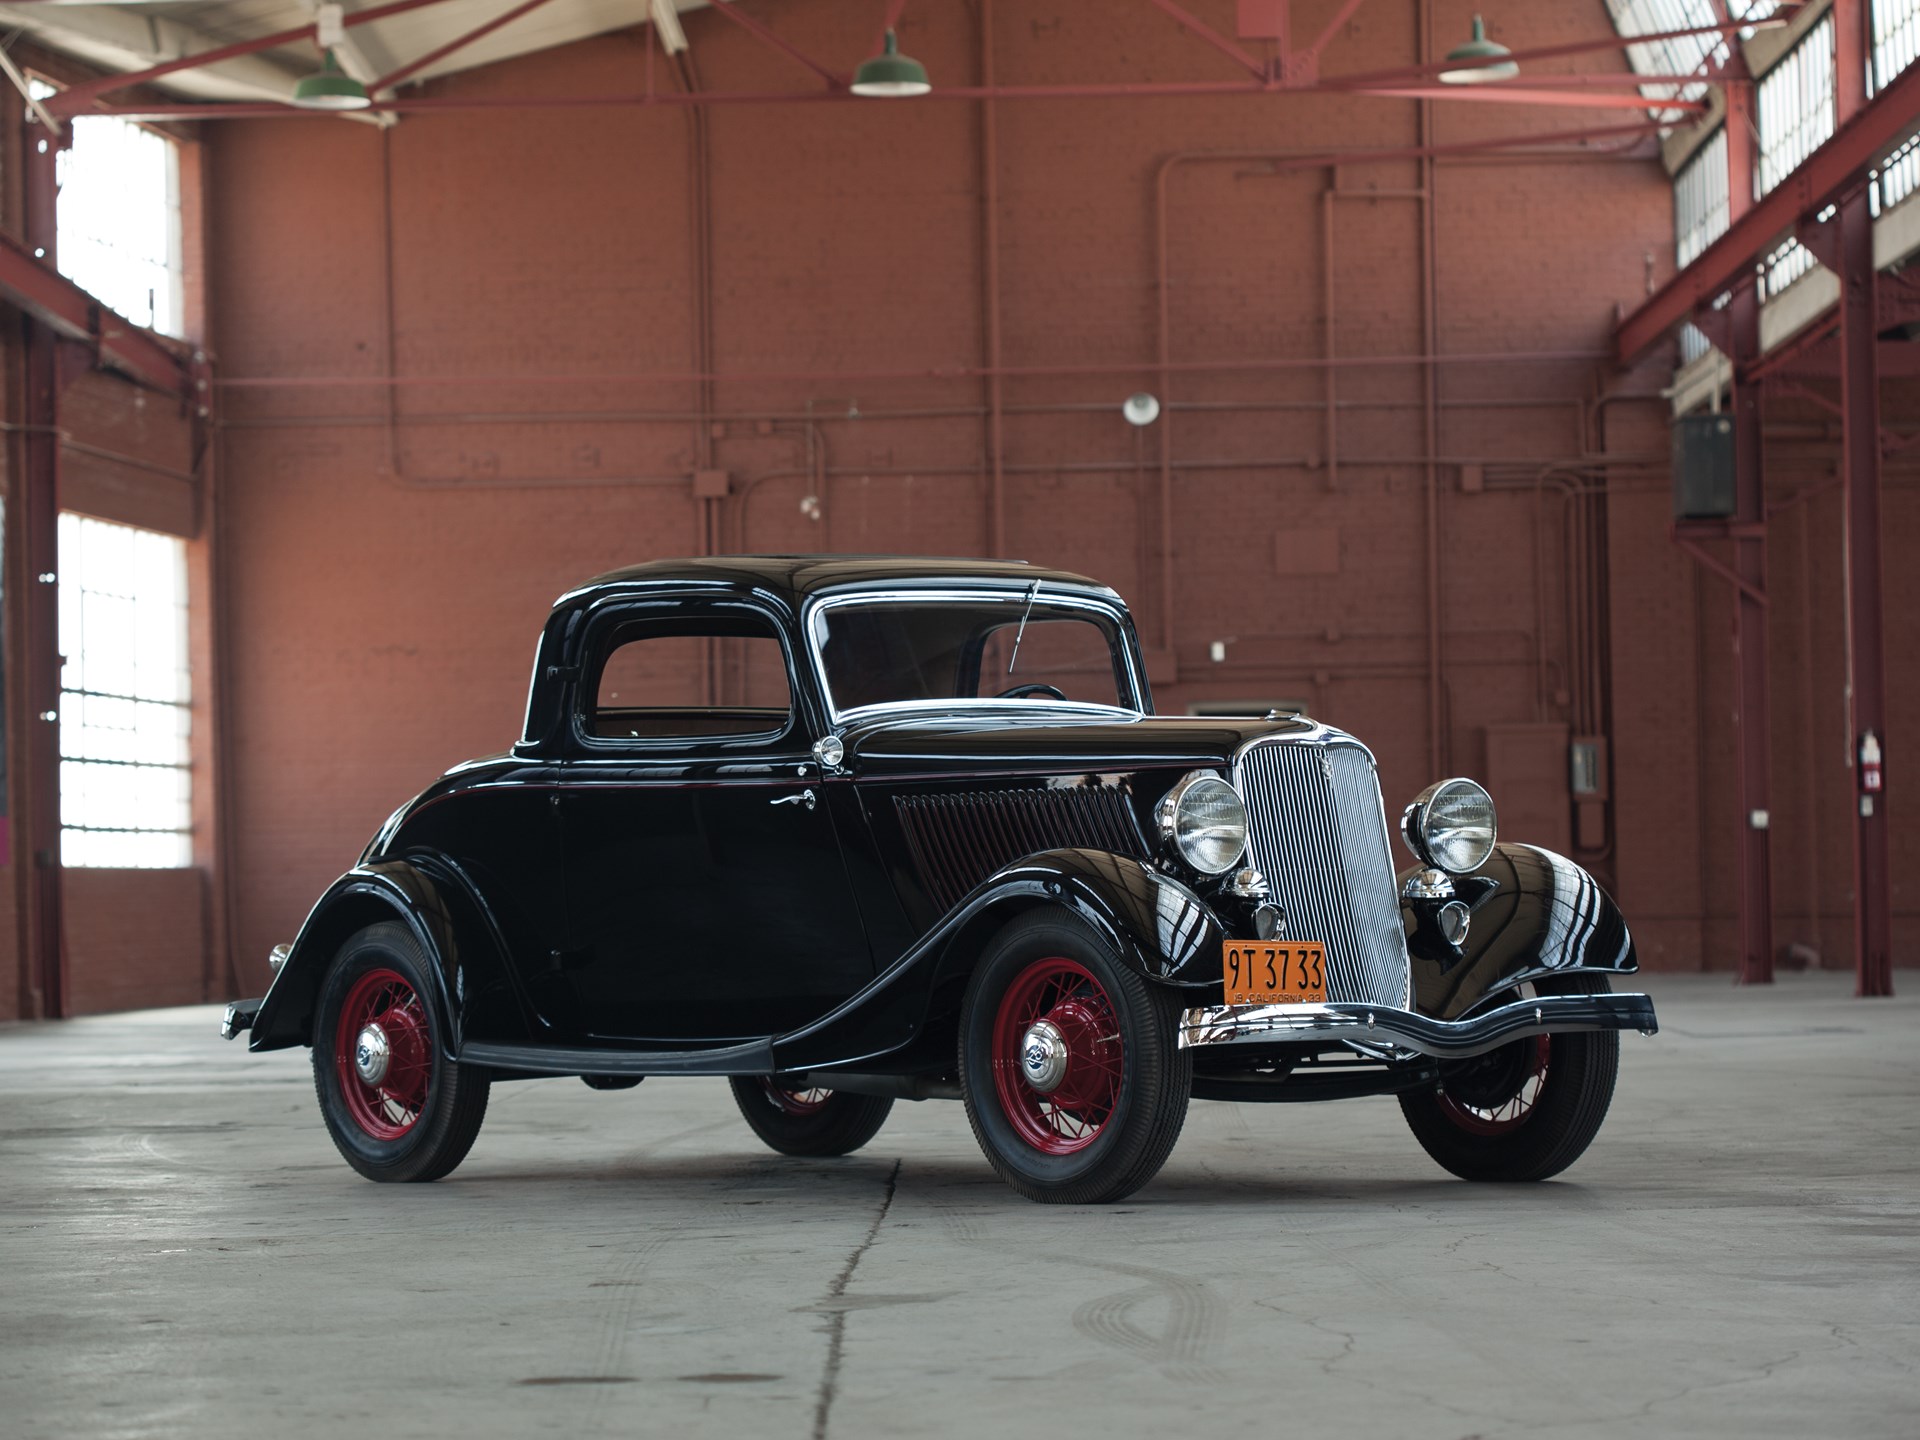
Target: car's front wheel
397, 1106
1525, 1111
803, 1121
1073, 1080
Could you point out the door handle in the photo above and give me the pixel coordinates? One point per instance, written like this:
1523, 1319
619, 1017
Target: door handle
805, 797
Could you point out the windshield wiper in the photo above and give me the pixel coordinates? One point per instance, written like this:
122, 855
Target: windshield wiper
1032, 591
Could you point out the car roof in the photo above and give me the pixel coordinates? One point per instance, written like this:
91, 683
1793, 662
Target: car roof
797, 577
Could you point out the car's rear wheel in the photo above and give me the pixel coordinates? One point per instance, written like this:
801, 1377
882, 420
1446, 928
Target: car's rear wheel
1525, 1111
1074, 1083
796, 1120
396, 1106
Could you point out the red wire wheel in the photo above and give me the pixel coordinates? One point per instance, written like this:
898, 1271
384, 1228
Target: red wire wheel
384, 1100
1073, 1113
1523, 1092
795, 1102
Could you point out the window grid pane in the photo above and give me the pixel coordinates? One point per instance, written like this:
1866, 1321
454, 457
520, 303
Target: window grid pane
1896, 38
126, 789
1796, 106
1685, 54
1700, 216
118, 218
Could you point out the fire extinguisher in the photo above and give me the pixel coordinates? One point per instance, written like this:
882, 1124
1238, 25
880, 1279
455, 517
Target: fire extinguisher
1871, 778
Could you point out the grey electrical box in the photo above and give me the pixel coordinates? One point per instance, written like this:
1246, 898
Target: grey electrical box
1703, 479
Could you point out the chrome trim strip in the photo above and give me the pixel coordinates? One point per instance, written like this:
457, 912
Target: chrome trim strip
949, 593
1369, 1028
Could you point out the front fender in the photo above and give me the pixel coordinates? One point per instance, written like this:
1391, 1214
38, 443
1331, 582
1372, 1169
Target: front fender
446, 920
1535, 914
1152, 922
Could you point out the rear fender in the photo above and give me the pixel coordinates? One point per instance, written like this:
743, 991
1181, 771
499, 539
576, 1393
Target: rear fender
1535, 914
466, 960
1154, 924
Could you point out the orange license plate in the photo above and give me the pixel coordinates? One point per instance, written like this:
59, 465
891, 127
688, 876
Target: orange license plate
1274, 972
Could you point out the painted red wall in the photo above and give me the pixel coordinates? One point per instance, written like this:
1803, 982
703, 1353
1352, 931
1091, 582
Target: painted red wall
388, 570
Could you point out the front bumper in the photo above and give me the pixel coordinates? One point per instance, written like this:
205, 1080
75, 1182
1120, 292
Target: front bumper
1382, 1031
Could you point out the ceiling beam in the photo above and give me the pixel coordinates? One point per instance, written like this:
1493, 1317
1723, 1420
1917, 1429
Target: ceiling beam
50, 297
1837, 168
120, 39
766, 37
78, 98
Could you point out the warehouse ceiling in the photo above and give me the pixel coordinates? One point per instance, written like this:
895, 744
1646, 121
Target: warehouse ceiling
131, 37
387, 44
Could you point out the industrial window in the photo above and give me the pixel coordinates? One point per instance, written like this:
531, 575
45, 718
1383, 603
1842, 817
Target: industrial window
118, 218
1685, 54
1896, 38
1796, 105
125, 785
1699, 218
1796, 114
1897, 176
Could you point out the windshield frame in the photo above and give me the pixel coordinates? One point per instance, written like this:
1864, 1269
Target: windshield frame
950, 592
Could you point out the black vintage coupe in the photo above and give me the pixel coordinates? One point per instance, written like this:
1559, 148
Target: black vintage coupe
854, 830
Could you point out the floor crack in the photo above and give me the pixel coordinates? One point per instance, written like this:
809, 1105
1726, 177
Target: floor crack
837, 1320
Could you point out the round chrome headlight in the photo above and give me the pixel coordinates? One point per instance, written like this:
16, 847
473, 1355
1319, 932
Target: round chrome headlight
1451, 826
1205, 821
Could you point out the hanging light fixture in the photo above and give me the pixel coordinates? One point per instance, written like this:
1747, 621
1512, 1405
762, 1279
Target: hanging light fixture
891, 75
1483, 59
1141, 408
330, 88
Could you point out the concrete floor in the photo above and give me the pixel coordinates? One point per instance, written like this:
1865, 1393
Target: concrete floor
183, 1254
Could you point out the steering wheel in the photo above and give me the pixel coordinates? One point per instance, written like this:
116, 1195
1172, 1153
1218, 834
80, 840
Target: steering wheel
1021, 691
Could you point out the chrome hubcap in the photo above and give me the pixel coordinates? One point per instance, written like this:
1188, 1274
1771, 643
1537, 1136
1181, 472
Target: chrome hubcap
372, 1055
1043, 1056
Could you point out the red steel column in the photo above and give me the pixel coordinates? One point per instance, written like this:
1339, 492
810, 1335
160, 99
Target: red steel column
1866, 657
38, 498
1749, 534
1860, 474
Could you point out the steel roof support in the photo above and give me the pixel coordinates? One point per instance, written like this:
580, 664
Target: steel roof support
1207, 35
1860, 451
77, 99
34, 503
1836, 167
1735, 330
766, 37
1753, 691
1866, 659
70, 313
406, 72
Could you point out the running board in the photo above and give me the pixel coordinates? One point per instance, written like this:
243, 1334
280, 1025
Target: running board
753, 1058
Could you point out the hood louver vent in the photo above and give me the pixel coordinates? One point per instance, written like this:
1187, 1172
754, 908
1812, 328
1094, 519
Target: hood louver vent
959, 840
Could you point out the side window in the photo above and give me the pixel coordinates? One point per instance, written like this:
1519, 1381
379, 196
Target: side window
683, 677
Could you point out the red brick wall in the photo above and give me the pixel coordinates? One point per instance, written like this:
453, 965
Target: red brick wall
135, 938
386, 584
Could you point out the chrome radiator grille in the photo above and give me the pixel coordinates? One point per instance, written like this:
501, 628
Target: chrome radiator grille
1317, 831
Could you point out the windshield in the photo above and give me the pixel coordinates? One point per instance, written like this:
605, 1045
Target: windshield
1020, 645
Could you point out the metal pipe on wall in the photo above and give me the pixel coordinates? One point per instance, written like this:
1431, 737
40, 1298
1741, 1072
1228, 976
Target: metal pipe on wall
1429, 272
990, 285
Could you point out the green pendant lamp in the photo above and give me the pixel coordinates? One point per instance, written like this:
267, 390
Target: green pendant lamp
1484, 60
891, 75
330, 88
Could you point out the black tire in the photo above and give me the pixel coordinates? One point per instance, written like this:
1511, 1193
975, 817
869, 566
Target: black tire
1103, 1129
421, 1120
808, 1122
1525, 1111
